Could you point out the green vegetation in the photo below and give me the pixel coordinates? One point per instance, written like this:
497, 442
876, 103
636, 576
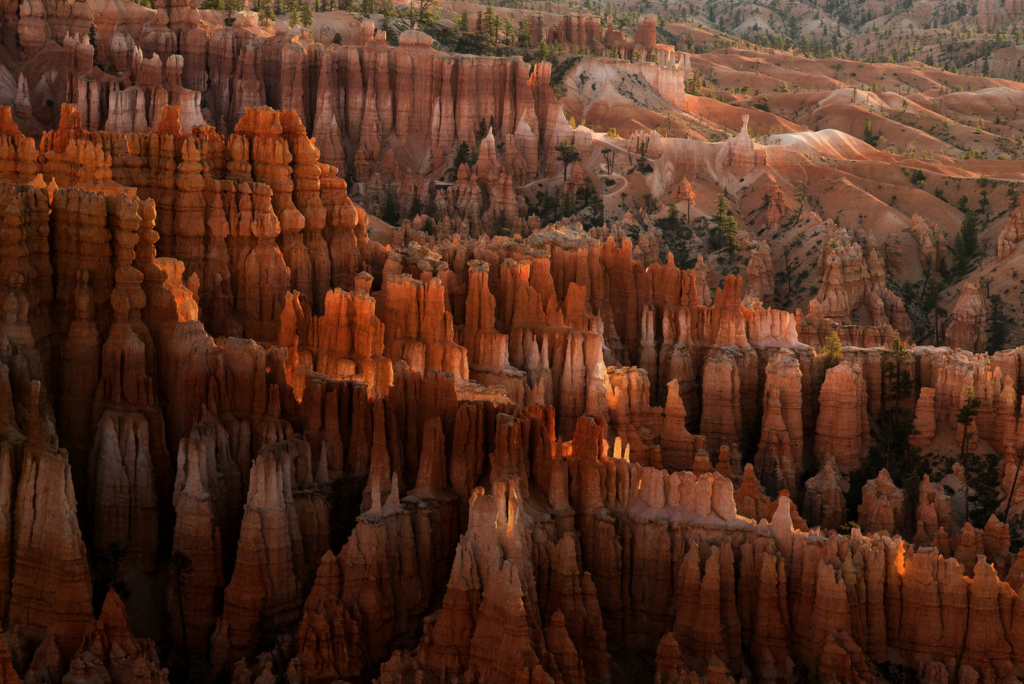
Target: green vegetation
999, 324
891, 447
567, 154
831, 352
869, 137
229, 5
966, 247
300, 13
464, 154
585, 205
726, 229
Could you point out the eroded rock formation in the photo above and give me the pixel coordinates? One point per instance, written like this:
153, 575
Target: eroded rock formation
312, 455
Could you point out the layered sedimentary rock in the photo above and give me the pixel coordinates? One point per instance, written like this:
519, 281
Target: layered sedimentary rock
739, 156
966, 328
51, 593
495, 458
197, 536
882, 508
122, 481
367, 104
780, 451
265, 588
110, 652
842, 429
825, 496
931, 243
853, 288
760, 275
1011, 234
418, 330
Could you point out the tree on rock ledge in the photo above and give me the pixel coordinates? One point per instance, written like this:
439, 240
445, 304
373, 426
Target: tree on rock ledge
832, 351
567, 154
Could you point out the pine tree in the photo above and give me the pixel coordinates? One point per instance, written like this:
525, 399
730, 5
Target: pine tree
508, 29
869, 137
726, 224
965, 418
463, 155
965, 245
998, 328
425, 7
568, 204
525, 39
897, 409
491, 22
831, 352
800, 195
688, 195
567, 154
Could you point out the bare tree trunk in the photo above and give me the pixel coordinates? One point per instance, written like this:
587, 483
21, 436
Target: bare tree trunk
967, 476
1009, 499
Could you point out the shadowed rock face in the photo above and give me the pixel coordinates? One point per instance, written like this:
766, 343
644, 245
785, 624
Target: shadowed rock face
293, 442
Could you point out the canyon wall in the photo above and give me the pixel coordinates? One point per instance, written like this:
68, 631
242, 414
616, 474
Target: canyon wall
504, 458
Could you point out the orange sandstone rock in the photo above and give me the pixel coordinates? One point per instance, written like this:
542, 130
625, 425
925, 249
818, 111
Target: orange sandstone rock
842, 428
